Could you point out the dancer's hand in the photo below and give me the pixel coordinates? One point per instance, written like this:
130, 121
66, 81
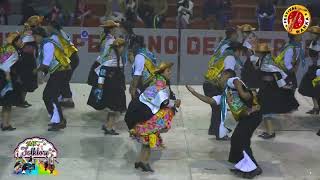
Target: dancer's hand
177, 103
190, 88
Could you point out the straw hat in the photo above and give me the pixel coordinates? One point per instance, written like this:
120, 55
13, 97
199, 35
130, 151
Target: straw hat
119, 42
12, 36
314, 29
246, 28
262, 47
109, 24
34, 21
163, 66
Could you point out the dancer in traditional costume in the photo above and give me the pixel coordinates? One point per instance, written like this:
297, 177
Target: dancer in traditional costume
244, 106
250, 73
107, 38
306, 86
109, 91
229, 60
53, 61
151, 114
26, 65
209, 87
65, 42
143, 67
274, 96
27, 62
291, 55
10, 94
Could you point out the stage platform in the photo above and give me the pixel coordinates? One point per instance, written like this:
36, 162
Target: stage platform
85, 153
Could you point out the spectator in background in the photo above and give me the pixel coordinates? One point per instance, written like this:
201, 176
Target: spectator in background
220, 9
82, 11
314, 8
153, 12
27, 11
185, 11
56, 14
266, 15
132, 11
69, 8
4, 11
115, 10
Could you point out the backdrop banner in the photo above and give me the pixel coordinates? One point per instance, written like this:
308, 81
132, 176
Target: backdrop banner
196, 48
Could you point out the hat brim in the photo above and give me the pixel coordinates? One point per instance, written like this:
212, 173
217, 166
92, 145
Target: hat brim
248, 30
166, 66
314, 32
110, 26
262, 51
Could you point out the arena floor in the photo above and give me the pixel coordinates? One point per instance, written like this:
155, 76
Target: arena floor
85, 153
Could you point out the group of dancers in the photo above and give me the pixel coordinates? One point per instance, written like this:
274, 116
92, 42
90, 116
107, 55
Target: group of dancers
253, 89
32, 52
256, 89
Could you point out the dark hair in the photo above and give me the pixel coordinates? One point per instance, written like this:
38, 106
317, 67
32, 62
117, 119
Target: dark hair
230, 72
55, 25
230, 31
291, 36
139, 40
39, 31
236, 46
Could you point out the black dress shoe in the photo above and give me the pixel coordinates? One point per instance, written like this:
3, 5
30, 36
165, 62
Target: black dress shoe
137, 165
247, 175
111, 132
67, 104
318, 133
55, 127
144, 167
265, 135
25, 104
63, 123
8, 128
313, 111
104, 128
225, 138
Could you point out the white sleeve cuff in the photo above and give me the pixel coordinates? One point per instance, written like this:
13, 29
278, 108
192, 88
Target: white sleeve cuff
318, 73
217, 99
171, 103
101, 80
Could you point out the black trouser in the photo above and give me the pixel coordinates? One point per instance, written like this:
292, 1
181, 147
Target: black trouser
211, 90
52, 92
66, 90
241, 137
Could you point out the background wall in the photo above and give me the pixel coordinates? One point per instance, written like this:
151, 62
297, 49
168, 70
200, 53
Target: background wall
196, 49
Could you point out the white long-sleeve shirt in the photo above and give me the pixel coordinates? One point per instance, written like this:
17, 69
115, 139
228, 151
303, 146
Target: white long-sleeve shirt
138, 65
48, 53
230, 63
109, 40
288, 57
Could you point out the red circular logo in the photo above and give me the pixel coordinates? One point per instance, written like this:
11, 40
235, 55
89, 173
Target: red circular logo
297, 18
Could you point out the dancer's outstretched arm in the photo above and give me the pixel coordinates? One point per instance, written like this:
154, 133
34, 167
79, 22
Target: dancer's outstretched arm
203, 98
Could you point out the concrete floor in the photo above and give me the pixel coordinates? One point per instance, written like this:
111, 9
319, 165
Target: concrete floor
86, 154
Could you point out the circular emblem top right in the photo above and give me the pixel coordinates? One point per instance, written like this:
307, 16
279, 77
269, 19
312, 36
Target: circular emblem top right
296, 19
